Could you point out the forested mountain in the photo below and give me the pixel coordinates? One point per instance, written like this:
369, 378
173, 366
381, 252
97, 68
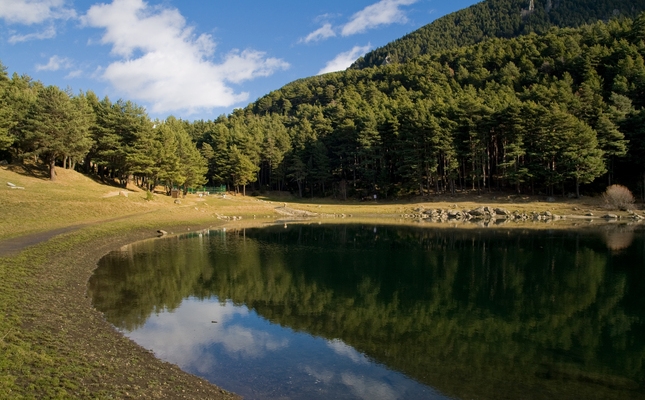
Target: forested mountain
498, 18
534, 114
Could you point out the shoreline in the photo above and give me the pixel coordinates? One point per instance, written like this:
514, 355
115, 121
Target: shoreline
67, 348
54, 343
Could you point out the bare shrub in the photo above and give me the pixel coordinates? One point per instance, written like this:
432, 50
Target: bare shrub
618, 196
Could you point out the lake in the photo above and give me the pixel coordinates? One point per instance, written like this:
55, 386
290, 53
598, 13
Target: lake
368, 311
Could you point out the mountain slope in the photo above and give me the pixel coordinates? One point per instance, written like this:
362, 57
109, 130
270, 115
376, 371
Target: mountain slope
533, 114
497, 18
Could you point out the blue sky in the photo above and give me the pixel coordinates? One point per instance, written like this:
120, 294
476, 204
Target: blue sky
197, 59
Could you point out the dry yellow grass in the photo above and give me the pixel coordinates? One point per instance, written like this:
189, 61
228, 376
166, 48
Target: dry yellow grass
76, 199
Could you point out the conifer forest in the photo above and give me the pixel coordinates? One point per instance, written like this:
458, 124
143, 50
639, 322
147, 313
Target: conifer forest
512, 104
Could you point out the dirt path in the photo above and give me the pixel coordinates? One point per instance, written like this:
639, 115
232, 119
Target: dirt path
13, 246
10, 247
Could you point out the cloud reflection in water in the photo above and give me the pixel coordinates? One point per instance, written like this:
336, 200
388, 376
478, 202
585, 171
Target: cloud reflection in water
369, 389
242, 352
342, 349
182, 336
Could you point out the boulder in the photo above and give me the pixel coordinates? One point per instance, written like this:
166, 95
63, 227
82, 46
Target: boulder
454, 214
478, 212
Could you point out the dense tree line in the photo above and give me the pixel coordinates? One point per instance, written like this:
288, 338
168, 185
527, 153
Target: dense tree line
534, 114
497, 18
116, 141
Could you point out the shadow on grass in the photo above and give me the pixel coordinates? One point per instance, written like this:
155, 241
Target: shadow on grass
38, 171
498, 197
41, 171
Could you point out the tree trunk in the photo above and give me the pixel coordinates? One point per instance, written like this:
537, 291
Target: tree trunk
577, 188
52, 168
87, 163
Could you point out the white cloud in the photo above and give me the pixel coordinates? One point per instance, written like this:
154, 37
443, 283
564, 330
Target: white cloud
163, 63
385, 12
48, 33
181, 336
249, 64
30, 12
344, 60
323, 375
55, 63
369, 389
339, 347
74, 74
326, 17
321, 33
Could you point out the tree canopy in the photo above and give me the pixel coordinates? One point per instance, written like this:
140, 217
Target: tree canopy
496, 18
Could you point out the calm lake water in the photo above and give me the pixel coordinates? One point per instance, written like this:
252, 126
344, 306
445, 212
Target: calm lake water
382, 312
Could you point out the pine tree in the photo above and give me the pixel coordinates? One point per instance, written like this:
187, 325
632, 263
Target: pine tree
52, 124
6, 139
219, 166
168, 163
20, 96
297, 171
242, 169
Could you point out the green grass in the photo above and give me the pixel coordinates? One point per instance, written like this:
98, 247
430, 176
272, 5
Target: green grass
53, 344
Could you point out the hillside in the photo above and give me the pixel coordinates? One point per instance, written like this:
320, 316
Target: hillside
75, 200
559, 113
497, 18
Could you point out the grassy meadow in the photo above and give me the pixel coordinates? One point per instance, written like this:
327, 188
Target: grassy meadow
53, 344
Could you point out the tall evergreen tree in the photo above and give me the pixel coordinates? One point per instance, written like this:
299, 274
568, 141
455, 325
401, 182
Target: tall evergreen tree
242, 169
52, 124
6, 139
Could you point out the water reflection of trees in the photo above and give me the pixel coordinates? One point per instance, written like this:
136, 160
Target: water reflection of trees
474, 314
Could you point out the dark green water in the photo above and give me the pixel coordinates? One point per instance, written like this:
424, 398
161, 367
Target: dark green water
375, 312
